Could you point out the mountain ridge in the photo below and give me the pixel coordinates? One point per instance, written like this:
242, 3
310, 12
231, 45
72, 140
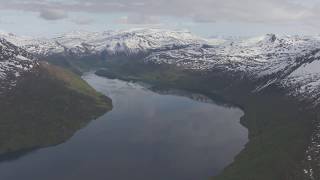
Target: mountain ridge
265, 64
269, 60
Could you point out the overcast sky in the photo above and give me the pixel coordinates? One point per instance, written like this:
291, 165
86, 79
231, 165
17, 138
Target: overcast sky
203, 17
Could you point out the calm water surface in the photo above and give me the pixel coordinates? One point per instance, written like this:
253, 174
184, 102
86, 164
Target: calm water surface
147, 136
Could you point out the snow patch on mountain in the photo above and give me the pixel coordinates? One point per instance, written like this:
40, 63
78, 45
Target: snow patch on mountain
305, 81
13, 62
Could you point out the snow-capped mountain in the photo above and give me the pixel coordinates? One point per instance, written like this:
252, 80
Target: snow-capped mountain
285, 61
111, 42
127, 42
14, 61
36, 46
261, 57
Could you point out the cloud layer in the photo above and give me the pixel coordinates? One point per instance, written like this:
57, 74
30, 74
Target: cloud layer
248, 11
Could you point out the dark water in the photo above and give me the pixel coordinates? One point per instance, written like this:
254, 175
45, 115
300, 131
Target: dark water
147, 136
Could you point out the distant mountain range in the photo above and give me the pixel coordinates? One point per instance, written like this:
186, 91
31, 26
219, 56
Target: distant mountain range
290, 62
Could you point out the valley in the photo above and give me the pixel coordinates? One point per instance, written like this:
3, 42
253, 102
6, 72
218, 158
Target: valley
273, 79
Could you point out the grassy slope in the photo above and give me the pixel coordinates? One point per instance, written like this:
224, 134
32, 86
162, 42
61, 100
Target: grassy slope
75, 83
279, 128
46, 108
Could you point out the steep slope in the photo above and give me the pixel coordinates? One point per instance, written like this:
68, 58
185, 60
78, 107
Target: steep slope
41, 105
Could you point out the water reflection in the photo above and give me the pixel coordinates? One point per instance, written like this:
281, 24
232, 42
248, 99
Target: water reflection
146, 136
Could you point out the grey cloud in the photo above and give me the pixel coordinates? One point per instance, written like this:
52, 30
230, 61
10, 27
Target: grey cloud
53, 14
